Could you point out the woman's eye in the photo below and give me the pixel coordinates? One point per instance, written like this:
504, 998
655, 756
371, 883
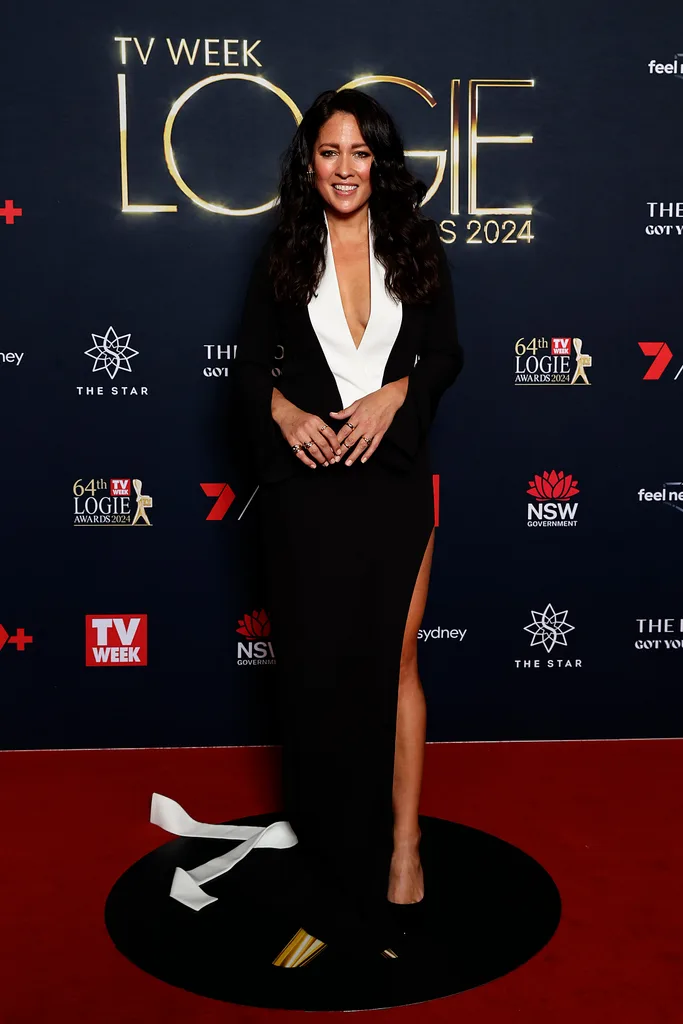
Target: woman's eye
333, 152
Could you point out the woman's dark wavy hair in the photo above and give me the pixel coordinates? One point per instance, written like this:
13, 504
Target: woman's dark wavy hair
405, 241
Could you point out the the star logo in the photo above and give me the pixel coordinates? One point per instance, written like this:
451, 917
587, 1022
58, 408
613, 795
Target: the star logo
111, 352
549, 628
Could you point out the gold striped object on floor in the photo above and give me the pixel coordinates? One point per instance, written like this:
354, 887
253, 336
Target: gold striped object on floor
300, 950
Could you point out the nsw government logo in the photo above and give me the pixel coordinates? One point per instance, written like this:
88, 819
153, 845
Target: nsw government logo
115, 640
256, 649
560, 361
111, 355
549, 629
551, 507
110, 502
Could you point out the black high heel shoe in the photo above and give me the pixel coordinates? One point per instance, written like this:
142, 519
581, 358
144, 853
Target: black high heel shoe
406, 915
407, 925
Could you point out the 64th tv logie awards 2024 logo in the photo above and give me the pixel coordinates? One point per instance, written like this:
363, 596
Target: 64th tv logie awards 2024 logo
559, 361
109, 502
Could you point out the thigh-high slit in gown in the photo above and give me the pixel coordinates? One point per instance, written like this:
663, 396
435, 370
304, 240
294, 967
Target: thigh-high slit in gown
343, 548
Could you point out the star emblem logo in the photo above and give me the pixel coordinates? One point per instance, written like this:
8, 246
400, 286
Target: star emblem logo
549, 628
111, 352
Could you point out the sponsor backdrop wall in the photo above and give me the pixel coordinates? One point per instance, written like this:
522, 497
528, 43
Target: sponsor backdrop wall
140, 149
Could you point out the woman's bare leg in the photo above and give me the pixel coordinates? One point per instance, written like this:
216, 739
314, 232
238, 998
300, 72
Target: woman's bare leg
406, 883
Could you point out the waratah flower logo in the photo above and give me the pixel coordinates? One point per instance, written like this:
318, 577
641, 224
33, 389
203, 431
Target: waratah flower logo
255, 625
549, 628
553, 485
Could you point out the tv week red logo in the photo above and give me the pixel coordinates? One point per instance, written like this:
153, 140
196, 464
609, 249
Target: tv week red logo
115, 640
661, 356
560, 346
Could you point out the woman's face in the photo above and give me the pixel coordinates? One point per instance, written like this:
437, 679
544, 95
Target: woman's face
341, 162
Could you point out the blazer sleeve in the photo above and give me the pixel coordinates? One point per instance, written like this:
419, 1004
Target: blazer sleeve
440, 362
257, 340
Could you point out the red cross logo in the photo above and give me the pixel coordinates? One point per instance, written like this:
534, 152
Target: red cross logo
9, 211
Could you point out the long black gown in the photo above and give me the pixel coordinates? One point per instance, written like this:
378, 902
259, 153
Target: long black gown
343, 548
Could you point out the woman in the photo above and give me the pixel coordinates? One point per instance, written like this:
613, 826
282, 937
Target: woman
348, 340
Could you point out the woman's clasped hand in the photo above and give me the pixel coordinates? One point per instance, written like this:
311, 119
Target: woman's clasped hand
367, 420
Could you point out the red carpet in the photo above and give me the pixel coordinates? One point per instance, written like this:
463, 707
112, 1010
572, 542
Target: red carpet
604, 818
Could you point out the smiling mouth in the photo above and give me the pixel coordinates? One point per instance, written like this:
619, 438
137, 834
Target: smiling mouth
345, 189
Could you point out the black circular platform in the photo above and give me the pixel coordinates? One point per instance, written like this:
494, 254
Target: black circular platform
491, 907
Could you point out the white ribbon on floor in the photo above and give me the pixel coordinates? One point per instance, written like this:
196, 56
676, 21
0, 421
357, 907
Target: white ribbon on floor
186, 885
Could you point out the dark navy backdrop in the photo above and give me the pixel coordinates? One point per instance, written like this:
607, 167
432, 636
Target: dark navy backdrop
602, 266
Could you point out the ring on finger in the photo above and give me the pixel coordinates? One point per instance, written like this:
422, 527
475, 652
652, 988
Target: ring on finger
296, 448
307, 444
368, 440
352, 425
347, 445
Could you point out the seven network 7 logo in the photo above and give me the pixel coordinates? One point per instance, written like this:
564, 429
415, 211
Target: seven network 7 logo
661, 356
108, 503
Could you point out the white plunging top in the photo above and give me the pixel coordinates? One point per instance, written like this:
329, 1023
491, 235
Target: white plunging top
357, 371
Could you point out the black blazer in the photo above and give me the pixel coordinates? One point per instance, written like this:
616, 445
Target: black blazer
277, 346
